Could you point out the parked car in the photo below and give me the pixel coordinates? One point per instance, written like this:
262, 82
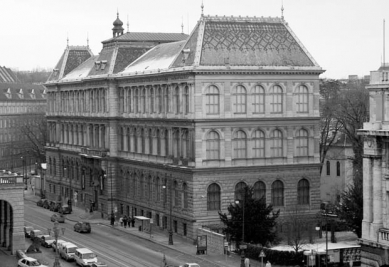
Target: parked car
47, 241
40, 202
27, 230
67, 250
57, 217
65, 210
55, 205
190, 265
99, 264
84, 257
57, 243
28, 262
82, 227
46, 204
35, 233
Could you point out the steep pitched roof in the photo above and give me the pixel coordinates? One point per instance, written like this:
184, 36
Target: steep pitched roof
7, 75
72, 57
245, 41
22, 92
230, 43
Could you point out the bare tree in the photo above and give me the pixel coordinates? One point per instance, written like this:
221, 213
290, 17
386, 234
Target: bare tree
329, 125
299, 229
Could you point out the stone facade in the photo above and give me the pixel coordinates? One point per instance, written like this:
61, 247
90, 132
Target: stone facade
174, 134
11, 212
375, 224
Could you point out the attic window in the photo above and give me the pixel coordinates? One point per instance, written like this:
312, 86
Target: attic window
20, 93
185, 53
103, 64
7, 93
55, 71
97, 65
32, 94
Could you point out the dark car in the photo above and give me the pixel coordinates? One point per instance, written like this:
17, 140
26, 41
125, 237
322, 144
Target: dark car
40, 202
47, 241
46, 204
55, 205
27, 230
57, 217
65, 210
82, 227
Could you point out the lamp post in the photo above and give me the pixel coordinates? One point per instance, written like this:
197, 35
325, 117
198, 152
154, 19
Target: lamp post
24, 173
70, 190
56, 233
326, 237
242, 247
171, 205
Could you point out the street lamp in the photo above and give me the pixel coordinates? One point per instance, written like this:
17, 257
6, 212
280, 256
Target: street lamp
171, 204
56, 233
242, 247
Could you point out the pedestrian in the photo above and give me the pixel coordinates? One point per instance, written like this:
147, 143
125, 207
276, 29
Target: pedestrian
121, 221
246, 262
125, 220
112, 220
268, 264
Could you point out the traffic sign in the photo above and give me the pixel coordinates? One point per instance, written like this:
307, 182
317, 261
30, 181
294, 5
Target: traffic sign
262, 254
226, 244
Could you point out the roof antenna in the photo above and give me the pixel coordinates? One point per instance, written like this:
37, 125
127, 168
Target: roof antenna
182, 25
282, 10
202, 8
384, 46
128, 24
87, 39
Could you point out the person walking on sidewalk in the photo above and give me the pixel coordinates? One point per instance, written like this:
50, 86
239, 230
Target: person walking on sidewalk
125, 220
246, 262
121, 221
112, 220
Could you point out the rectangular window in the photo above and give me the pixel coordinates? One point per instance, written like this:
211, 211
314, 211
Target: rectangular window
175, 226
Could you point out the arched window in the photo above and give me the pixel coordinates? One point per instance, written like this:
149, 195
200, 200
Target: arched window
240, 145
159, 100
240, 190
303, 192
151, 100
301, 97
177, 99
276, 144
302, 143
143, 100
186, 99
167, 98
136, 101
276, 102
258, 144
277, 193
337, 168
258, 99
158, 188
213, 145
212, 100
240, 99
176, 141
185, 200
129, 91
260, 191
213, 197
176, 195
328, 167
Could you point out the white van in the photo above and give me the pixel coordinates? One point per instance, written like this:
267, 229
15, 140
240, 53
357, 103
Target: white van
67, 250
84, 257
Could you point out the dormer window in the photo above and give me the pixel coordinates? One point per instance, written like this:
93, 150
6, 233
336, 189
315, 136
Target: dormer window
32, 94
97, 65
7, 93
385, 76
103, 64
21, 94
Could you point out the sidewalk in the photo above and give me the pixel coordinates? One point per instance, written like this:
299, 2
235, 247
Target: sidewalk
180, 243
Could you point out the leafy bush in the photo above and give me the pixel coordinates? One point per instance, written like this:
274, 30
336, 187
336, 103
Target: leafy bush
275, 256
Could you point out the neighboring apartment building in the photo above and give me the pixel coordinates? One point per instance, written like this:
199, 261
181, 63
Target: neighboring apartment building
171, 126
375, 224
20, 104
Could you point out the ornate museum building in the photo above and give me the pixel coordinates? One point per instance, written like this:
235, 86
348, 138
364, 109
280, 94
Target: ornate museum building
375, 224
171, 127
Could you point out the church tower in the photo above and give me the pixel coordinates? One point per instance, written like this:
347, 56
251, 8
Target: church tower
118, 29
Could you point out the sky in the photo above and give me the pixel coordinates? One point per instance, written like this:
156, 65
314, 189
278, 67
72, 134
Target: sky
345, 37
